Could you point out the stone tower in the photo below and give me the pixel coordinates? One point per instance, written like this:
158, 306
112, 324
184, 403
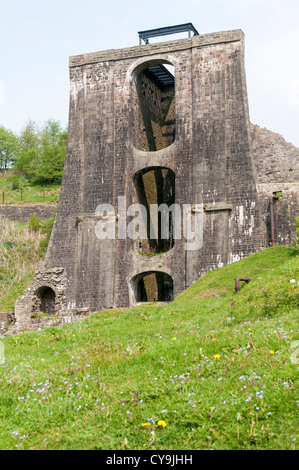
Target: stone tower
164, 123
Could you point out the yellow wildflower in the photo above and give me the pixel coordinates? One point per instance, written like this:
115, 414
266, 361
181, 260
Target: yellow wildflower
146, 425
272, 352
173, 339
162, 423
216, 356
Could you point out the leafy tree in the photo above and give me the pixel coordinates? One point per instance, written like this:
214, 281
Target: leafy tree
29, 148
8, 149
42, 152
52, 152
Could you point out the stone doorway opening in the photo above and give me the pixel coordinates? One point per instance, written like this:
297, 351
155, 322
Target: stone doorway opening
46, 300
153, 286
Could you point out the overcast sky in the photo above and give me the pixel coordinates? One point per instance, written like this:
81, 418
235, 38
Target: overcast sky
37, 38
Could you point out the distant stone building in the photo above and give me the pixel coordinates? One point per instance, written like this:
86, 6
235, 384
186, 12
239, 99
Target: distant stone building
164, 123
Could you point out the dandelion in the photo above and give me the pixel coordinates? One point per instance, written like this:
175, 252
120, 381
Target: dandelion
146, 425
216, 356
272, 352
292, 281
213, 339
173, 339
162, 423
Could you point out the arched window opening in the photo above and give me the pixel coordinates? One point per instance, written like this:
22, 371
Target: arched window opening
154, 107
46, 300
153, 286
155, 189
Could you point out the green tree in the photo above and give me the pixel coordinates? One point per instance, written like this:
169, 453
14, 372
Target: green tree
8, 149
29, 149
52, 152
42, 152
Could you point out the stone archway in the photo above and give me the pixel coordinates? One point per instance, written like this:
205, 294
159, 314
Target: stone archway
47, 300
153, 286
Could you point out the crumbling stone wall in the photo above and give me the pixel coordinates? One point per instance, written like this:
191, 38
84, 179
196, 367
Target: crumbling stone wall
28, 308
276, 160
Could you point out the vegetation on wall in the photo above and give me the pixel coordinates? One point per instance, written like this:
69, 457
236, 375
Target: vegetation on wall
22, 247
295, 242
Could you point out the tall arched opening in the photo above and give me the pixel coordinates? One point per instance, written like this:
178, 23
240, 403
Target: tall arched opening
154, 106
155, 190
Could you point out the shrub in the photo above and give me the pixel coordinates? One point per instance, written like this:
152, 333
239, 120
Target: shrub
46, 229
15, 183
34, 223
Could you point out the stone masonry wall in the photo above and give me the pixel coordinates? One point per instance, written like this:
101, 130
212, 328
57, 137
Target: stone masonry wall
22, 212
276, 160
285, 210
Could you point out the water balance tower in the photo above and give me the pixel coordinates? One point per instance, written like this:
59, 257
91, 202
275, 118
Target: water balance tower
162, 123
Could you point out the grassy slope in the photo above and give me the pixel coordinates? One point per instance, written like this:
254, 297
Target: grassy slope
93, 384
32, 194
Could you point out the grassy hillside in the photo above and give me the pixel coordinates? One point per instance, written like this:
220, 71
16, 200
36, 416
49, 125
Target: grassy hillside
31, 193
21, 250
212, 370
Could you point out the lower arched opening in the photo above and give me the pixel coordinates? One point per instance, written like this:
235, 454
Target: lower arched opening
153, 286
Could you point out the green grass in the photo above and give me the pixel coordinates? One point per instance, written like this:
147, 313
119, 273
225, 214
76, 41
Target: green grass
94, 383
31, 193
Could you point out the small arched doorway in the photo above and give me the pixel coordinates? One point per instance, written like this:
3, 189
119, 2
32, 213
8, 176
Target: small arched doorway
47, 300
153, 286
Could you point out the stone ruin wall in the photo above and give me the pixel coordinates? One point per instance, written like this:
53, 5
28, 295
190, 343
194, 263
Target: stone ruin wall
276, 160
277, 171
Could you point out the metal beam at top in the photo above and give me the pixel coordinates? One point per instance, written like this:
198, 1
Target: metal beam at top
180, 28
